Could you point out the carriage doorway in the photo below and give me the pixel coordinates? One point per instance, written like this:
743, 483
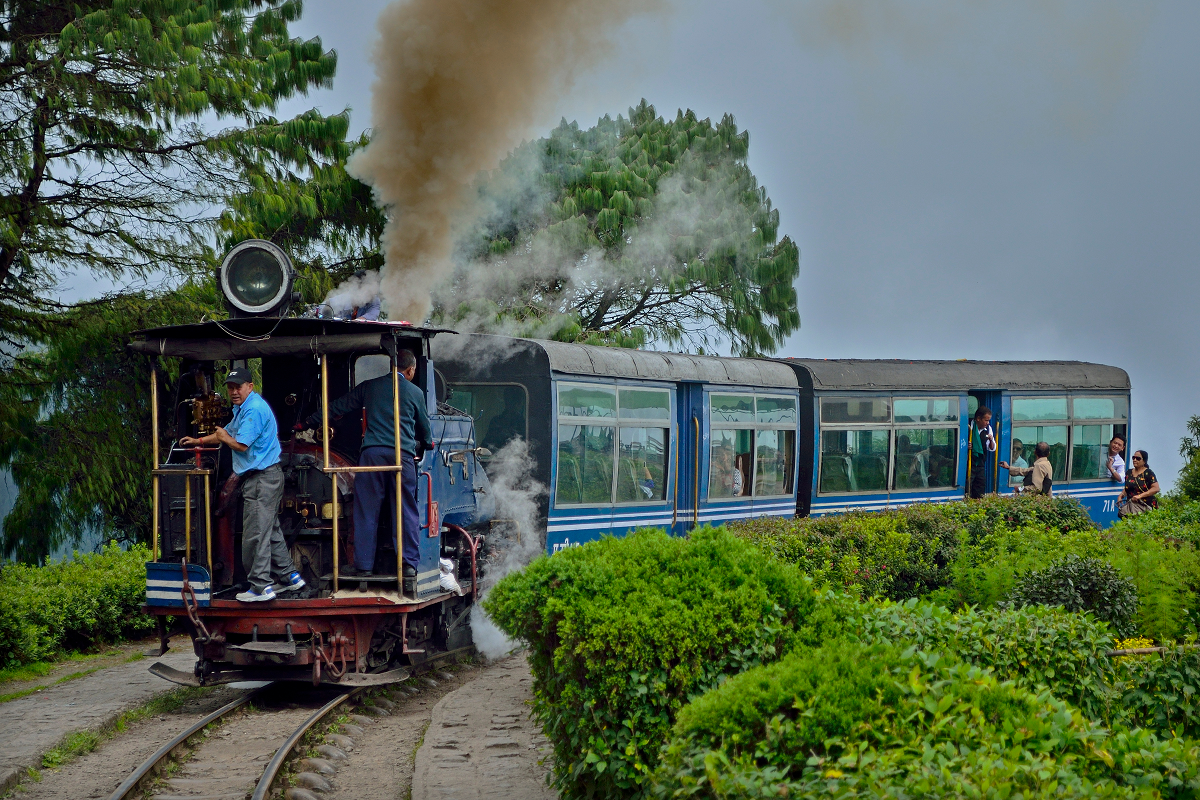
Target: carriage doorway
991, 400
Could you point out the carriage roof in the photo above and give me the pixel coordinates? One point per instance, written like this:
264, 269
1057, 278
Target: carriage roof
901, 374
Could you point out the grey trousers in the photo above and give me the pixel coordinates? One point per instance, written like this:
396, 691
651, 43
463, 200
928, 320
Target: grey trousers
264, 553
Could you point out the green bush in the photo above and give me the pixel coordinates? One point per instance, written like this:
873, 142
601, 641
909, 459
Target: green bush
1037, 646
73, 605
1081, 584
1033, 646
623, 632
1166, 572
1160, 691
908, 551
985, 571
896, 554
848, 720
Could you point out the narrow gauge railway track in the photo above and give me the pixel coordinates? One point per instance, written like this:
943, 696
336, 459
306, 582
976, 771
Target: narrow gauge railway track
250, 736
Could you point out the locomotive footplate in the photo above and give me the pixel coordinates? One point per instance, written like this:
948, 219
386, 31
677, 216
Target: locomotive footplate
346, 639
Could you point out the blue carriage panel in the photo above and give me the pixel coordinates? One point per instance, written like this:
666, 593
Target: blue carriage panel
749, 454
618, 470
887, 449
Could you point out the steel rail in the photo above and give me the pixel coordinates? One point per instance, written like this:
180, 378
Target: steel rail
138, 775
263, 789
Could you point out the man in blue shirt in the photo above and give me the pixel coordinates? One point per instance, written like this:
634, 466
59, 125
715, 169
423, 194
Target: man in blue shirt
253, 437
371, 489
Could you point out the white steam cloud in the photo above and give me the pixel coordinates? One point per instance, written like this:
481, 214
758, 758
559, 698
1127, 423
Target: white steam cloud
517, 536
355, 291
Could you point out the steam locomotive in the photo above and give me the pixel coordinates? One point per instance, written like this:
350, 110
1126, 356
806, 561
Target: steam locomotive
356, 631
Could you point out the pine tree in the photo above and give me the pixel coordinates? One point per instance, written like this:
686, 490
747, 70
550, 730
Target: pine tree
109, 161
124, 125
633, 230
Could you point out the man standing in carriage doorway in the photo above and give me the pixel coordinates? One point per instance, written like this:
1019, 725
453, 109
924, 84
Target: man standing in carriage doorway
253, 437
983, 445
371, 489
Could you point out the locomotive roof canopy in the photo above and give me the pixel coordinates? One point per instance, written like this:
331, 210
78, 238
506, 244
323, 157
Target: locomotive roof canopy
889, 374
254, 337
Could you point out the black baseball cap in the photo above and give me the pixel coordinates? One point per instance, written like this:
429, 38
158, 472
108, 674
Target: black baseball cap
239, 375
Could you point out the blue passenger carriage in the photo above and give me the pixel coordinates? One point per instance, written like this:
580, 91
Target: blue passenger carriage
891, 433
628, 438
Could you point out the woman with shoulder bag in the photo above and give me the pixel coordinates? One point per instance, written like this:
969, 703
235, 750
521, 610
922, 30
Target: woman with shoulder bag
1141, 486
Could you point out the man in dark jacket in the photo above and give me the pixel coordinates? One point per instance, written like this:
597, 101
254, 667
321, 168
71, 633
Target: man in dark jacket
372, 489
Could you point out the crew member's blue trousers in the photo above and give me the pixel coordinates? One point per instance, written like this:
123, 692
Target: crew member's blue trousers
371, 491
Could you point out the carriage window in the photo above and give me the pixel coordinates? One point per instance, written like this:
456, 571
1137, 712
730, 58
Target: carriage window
732, 408
854, 461
775, 462
855, 409
1039, 408
926, 458
1053, 435
1101, 408
585, 465
729, 465
937, 409
776, 410
500, 411
645, 404
642, 465
587, 401
1089, 450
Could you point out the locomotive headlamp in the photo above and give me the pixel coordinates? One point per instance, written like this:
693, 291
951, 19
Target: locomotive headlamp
256, 279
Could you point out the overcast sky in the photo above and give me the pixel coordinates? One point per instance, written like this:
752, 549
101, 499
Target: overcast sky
990, 180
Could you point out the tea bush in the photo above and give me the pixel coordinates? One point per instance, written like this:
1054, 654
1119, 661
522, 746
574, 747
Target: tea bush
1039, 646
1082, 584
849, 720
73, 605
623, 632
1033, 646
908, 551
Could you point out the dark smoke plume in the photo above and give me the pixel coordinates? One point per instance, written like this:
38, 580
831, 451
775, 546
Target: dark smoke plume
459, 83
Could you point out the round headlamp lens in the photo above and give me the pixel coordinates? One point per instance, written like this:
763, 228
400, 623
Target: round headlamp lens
255, 277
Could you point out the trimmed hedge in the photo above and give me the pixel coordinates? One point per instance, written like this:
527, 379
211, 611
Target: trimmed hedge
848, 720
904, 552
624, 632
74, 605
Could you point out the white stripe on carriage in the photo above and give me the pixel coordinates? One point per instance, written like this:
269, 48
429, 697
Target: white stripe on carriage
177, 585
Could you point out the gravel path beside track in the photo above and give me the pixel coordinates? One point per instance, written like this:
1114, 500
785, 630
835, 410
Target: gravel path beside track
481, 742
36, 723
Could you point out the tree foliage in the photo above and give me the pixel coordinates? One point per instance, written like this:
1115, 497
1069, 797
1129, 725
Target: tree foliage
75, 421
637, 227
105, 165
124, 126
1188, 484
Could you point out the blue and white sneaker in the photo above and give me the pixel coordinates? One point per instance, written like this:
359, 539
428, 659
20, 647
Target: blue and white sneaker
252, 596
294, 583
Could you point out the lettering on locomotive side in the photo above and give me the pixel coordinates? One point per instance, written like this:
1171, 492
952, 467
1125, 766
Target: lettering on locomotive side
565, 543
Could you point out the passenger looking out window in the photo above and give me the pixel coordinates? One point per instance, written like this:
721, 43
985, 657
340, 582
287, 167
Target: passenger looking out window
1018, 461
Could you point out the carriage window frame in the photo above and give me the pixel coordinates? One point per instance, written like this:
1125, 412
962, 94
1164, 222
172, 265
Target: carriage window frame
617, 422
754, 426
891, 426
1121, 403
